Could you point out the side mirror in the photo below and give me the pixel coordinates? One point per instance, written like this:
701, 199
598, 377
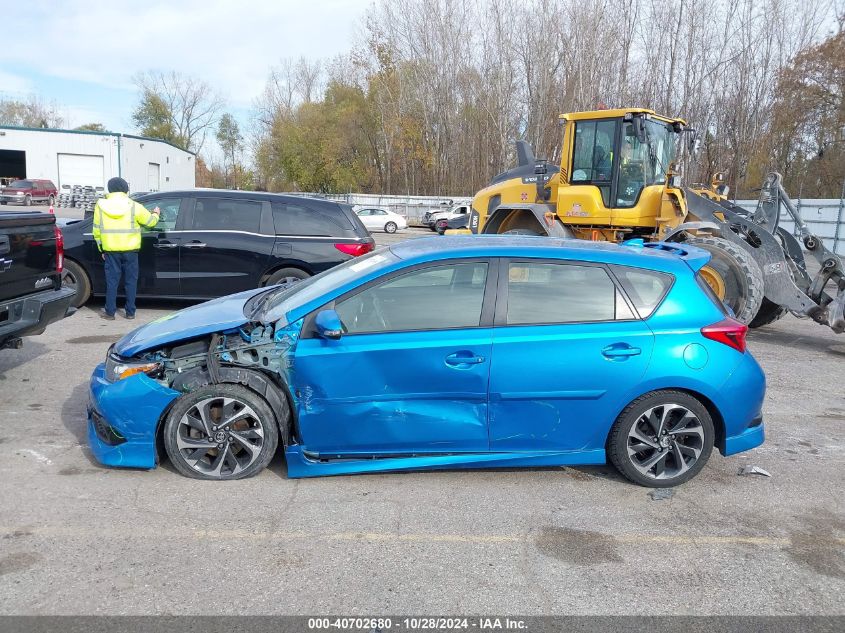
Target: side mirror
328, 324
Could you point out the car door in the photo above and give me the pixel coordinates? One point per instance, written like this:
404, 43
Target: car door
225, 245
409, 375
567, 350
366, 216
158, 257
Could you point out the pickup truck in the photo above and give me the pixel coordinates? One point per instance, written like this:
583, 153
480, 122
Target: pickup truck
31, 292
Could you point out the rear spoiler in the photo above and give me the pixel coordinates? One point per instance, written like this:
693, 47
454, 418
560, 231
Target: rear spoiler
694, 256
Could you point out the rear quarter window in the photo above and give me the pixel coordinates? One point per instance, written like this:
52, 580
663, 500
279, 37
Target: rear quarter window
706, 289
302, 219
645, 288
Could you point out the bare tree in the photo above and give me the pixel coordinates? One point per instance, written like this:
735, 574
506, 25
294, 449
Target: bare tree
191, 104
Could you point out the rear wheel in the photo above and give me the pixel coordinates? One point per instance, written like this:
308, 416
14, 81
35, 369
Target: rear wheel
73, 276
733, 275
221, 432
661, 439
52, 200
286, 277
390, 227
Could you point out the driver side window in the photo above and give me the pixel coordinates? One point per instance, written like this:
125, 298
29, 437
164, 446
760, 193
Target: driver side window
433, 298
169, 208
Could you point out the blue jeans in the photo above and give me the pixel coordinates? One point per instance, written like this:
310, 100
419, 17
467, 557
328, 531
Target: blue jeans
117, 264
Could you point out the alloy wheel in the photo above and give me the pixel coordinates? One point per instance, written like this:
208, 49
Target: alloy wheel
665, 441
220, 436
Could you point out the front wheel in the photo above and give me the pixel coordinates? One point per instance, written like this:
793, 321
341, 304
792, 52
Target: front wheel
221, 432
390, 227
661, 439
73, 276
27, 201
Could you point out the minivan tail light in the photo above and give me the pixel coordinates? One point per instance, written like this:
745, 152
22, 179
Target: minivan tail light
728, 331
60, 249
356, 250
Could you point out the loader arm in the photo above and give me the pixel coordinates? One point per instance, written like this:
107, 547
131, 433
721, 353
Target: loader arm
787, 283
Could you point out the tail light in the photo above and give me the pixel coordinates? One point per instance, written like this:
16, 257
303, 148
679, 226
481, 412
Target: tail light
729, 332
356, 250
60, 249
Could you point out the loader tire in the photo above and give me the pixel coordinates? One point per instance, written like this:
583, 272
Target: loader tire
769, 312
740, 276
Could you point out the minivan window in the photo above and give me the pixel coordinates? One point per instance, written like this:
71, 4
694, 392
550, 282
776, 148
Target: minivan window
21, 184
226, 214
544, 293
308, 220
432, 298
645, 288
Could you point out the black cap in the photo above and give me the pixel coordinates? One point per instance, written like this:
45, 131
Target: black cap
118, 184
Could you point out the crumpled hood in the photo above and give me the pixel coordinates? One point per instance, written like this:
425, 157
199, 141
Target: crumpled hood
218, 315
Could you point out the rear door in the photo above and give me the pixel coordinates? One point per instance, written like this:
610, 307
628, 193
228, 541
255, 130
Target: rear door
566, 350
225, 246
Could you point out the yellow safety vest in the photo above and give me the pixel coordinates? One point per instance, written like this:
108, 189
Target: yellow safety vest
117, 222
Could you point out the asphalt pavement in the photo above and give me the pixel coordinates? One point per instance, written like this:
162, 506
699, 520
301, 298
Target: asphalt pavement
77, 538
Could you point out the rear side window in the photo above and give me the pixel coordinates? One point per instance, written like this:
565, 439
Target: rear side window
645, 288
226, 214
705, 287
305, 220
544, 293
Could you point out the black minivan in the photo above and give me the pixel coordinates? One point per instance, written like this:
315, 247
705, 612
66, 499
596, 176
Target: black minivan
209, 243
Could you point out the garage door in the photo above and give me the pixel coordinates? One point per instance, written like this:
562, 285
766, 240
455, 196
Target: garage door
80, 169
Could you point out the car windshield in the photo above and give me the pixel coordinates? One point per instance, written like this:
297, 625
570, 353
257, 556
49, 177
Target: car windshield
276, 304
21, 184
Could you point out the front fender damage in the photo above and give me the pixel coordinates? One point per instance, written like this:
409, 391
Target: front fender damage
259, 357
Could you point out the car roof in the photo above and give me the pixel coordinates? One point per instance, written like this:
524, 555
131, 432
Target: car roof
238, 194
464, 246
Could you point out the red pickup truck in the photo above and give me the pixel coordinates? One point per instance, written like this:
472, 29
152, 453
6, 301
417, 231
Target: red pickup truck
29, 190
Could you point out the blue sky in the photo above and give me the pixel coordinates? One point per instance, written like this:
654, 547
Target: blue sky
82, 54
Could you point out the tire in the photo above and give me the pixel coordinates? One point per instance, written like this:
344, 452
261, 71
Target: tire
286, 277
51, 200
238, 450
768, 313
740, 273
27, 201
390, 227
635, 423
73, 276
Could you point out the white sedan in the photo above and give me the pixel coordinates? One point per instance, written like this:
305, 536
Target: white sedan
381, 220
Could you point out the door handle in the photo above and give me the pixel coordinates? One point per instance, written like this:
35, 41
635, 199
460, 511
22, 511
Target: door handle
164, 244
620, 350
194, 244
463, 360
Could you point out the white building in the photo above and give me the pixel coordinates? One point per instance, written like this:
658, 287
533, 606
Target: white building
76, 157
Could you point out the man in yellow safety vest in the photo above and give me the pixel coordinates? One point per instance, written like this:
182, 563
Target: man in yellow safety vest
117, 230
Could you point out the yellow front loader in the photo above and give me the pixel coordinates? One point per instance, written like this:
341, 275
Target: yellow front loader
618, 180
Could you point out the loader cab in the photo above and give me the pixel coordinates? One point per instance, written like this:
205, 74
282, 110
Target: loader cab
614, 167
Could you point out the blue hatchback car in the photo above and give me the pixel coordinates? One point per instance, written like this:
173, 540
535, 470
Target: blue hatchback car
457, 352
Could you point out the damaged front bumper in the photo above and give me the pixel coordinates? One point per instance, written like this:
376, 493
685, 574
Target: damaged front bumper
123, 417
